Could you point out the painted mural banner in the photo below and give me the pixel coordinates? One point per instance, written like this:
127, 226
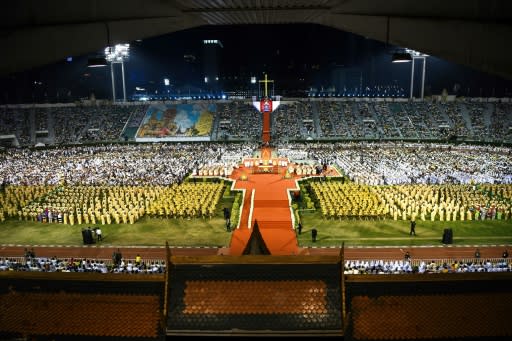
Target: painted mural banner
177, 122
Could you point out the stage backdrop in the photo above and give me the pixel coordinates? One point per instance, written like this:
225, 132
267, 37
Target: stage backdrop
177, 122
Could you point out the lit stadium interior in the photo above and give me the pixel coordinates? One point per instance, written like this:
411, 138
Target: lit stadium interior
255, 194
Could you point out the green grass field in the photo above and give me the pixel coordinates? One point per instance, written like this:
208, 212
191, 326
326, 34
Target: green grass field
212, 232
145, 232
390, 232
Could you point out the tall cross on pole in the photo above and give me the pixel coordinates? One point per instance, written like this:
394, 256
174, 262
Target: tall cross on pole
266, 81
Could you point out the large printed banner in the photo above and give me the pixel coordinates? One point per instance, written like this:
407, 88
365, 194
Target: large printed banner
177, 122
266, 105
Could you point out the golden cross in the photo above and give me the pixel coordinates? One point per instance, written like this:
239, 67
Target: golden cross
266, 81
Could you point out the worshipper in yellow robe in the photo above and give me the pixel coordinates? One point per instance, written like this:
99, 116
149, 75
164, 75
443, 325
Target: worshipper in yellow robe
433, 214
117, 217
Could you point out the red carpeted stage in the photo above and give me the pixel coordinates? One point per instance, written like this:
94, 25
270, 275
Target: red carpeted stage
269, 180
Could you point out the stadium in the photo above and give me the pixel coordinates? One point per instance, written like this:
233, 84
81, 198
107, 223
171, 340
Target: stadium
325, 215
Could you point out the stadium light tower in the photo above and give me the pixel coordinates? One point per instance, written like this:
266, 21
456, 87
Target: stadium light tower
417, 55
117, 55
410, 56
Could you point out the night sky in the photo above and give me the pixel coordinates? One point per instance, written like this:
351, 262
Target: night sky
295, 56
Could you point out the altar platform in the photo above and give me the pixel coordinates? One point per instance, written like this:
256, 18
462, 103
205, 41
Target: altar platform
265, 166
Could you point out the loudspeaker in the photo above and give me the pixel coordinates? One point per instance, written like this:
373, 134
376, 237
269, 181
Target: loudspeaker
447, 236
84, 236
87, 236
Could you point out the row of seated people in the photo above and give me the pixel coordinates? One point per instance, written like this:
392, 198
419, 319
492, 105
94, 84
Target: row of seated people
214, 169
381, 267
54, 264
249, 163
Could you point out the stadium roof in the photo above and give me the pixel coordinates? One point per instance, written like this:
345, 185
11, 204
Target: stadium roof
469, 32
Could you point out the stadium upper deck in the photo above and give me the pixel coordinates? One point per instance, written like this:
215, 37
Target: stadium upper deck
485, 120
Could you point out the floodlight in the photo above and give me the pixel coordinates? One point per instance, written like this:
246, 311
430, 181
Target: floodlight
96, 62
117, 53
401, 57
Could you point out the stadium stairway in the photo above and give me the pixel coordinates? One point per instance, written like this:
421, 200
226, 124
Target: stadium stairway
466, 116
488, 114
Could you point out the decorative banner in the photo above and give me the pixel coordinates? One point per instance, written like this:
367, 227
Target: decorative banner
173, 122
266, 105
259, 105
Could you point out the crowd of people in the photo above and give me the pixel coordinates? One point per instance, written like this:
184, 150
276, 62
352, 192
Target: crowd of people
113, 164
107, 183
286, 122
70, 124
119, 183
363, 267
54, 264
293, 120
377, 119
105, 205
392, 163
337, 200
411, 202
237, 121
351, 267
431, 181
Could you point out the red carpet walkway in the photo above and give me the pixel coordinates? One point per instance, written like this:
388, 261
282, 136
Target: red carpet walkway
267, 190
271, 210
